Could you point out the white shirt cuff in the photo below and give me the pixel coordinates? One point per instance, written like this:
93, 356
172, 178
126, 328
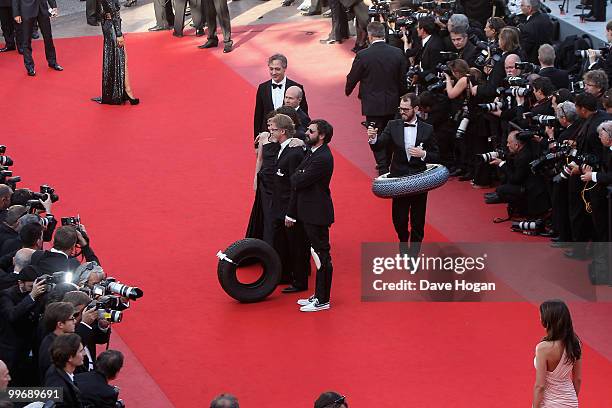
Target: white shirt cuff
86, 325
423, 158
594, 177
502, 163
288, 218
373, 141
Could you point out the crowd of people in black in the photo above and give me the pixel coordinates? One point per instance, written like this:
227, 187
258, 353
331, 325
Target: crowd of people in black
510, 106
54, 309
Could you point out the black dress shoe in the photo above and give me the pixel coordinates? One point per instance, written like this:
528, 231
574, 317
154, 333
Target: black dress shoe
330, 41
56, 67
199, 32
31, 72
293, 289
158, 28
583, 7
228, 47
7, 49
359, 47
593, 19
287, 3
209, 44
311, 13
175, 34
97, 99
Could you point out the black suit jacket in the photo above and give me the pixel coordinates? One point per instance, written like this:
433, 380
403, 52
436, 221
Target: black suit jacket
605, 175
429, 56
304, 118
264, 104
518, 173
559, 77
95, 391
587, 138
55, 377
31, 8
536, 31
49, 262
286, 165
469, 54
90, 336
310, 183
7, 233
400, 165
380, 71
44, 355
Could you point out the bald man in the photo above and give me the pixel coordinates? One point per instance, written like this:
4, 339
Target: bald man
5, 377
293, 99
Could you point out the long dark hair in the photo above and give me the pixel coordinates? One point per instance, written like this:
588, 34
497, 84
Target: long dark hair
557, 321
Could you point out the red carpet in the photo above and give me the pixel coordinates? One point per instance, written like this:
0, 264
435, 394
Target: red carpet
164, 185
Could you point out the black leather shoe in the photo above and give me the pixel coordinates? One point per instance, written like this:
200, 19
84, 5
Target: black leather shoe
359, 47
97, 99
293, 289
330, 41
592, 19
209, 44
287, 3
311, 13
56, 67
7, 49
158, 28
31, 72
175, 34
228, 47
583, 6
199, 32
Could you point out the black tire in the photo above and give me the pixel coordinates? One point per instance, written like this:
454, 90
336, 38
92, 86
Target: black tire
389, 187
243, 252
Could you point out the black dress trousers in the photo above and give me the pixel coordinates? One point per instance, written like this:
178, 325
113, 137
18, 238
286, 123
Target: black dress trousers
44, 22
318, 235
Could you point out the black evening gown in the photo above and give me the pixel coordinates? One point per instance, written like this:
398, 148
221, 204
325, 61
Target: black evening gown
113, 57
260, 222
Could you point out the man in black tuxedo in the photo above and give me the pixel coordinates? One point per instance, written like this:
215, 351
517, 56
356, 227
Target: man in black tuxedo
428, 52
311, 204
293, 99
290, 243
28, 12
380, 84
546, 57
10, 29
271, 94
67, 352
59, 257
536, 31
413, 146
214, 9
462, 46
94, 386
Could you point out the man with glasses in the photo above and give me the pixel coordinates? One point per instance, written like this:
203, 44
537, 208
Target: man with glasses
413, 145
331, 399
380, 84
20, 310
59, 318
596, 84
311, 204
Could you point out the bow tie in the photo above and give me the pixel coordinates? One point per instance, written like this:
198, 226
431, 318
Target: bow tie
279, 86
406, 124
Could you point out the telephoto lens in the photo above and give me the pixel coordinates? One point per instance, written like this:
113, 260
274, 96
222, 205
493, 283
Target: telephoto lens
535, 225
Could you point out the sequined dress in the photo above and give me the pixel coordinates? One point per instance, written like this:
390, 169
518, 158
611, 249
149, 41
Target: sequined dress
113, 57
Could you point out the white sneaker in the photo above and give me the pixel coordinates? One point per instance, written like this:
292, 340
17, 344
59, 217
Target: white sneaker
305, 302
315, 307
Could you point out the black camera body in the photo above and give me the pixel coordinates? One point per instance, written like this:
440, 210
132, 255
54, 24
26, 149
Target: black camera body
74, 221
46, 189
527, 67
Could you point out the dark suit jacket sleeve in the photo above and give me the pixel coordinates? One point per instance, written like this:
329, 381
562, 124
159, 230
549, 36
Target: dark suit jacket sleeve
296, 160
353, 76
431, 148
304, 103
403, 86
16, 8
382, 139
604, 178
13, 313
315, 171
259, 113
518, 171
52, 4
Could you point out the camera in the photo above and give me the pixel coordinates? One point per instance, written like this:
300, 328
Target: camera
46, 220
464, 121
34, 205
45, 189
75, 221
577, 87
106, 306
582, 159
112, 286
545, 120
599, 53
54, 279
490, 53
514, 91
448, 56
496, 154
517, 80
368, 124
491, 107
6, 177
528, 226
557, 152
6, 161
527, 67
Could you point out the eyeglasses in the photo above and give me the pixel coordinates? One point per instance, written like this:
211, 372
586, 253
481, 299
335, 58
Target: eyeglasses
273, 129
404, 109
76, 315
587, 84
309, 130
338, 401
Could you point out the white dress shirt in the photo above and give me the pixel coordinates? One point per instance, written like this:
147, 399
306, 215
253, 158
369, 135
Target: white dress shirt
278, 94
282, 147
594, 174
423, 42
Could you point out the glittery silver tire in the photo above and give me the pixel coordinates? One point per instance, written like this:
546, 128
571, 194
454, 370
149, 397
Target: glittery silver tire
389, 187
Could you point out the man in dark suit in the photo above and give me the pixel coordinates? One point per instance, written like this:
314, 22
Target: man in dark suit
413, 146
59, 257
536, 31
271, 94
28, 12
94, 386
427, 53
290, 243
293, 99
462, 46
198, 13
546, 58
214, 9
380, 71
10, 29
20, 310
58, 320
164, 15
311, 204
67, 353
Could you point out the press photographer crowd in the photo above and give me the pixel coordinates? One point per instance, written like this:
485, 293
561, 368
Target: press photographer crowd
511, 106
54, 309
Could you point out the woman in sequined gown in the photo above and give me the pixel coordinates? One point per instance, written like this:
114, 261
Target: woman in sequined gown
558, 360
116, 87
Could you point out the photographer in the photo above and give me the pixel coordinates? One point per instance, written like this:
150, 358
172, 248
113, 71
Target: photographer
8, 228
536, 31
20, 309
493, 28
11, 245
601, 59
542, 93
524, 191
30, 238
546, 58
93, 330
59, 258
94, 386
599, 270
427, 55
435, 109
596, 83
587, 145
59, 319
5, 200
67, 354
464, 48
